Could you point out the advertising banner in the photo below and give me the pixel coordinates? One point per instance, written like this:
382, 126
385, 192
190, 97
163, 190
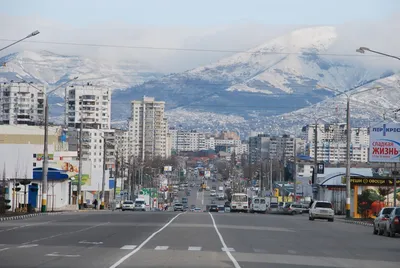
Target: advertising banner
384, 143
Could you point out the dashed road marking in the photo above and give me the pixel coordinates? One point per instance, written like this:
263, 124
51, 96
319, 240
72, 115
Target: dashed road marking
4, 249
228, 249
124, 258
131, 247
56, 254
292, 251
194, 248
161, 248
28, 246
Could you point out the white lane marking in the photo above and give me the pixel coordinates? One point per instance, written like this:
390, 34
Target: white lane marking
234, 261
194, 248
292, 251
28, 246
228, 249
202, 198
124, 258
56, 254
26, 225
3, 249
129, 247
66, 233
161, 248
91, 243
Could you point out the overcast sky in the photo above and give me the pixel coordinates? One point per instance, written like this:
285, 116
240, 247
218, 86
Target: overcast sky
205, 24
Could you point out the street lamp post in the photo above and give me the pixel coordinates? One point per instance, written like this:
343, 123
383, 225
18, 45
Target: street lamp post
20, 40
46, 145
348, 143
363, 49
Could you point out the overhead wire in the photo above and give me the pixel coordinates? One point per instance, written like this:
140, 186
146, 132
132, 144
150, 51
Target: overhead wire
189, 49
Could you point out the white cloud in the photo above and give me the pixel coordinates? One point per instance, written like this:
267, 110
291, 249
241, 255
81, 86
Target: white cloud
377, 35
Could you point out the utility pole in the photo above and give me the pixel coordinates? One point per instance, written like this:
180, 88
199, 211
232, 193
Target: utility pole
45, 155
315, 159
295, 171
103, 182
348, 160
116, 175
261, 188
79, 190
270, 175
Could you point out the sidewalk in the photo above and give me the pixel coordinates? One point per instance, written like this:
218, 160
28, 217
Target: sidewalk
19, 216
364, 222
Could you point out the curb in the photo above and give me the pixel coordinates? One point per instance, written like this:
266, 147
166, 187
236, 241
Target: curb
20, 217
357, 222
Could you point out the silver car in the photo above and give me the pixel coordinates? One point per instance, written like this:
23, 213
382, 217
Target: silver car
293, 209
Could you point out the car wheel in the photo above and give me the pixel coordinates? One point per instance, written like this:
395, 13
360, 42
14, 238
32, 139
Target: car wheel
293, 213
330, 220
310, 218
123, 210
391, 234
380, 231
385, 232
375, 231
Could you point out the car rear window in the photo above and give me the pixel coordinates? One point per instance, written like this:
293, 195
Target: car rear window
397, 212
323, 205
178, 204
128, 202
256, 201
262, 201
386, 211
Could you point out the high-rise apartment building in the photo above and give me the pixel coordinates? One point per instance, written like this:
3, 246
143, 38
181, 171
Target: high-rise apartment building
187, 141
91, 106
148, 129
21, 103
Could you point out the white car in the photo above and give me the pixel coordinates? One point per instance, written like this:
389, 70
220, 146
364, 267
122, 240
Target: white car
128, 205
321, 210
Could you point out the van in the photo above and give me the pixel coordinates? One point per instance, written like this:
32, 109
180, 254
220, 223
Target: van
258, 204
140, 204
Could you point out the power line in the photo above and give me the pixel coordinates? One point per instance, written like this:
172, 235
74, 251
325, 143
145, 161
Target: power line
191, 49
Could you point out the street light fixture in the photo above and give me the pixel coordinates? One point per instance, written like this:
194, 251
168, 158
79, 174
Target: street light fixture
363, 49
26, 37
46, 144
348, 141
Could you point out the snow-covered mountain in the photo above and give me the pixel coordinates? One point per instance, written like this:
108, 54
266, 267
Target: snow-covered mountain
52, 69
274, 78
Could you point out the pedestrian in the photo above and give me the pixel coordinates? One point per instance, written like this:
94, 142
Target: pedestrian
95, 203
311, 202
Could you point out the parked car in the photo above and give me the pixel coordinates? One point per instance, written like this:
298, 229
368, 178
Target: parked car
293, 209
321, 210
178, 207
381, 219
393, 223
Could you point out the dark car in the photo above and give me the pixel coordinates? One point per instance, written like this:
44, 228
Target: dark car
213, 208
393, 223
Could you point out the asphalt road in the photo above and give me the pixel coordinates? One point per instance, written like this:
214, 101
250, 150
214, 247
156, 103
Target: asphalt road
191, 239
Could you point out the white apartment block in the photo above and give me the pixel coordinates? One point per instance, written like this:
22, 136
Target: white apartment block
335, 133
331, 139
210, 143
335, 152
91, 106
187, 141
122, 143
148, 129
264, 146
21, 103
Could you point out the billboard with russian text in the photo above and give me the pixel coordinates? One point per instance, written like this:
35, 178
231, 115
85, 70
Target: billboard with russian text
384, 143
